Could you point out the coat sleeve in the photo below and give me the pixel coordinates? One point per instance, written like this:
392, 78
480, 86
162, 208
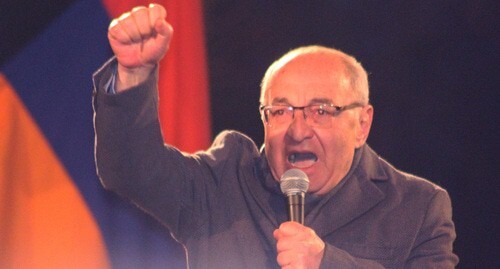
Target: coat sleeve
338, 258
132, 159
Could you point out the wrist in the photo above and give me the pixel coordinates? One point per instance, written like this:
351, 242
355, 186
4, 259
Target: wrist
131, 77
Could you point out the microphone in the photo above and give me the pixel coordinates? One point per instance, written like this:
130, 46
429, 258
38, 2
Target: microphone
294, 184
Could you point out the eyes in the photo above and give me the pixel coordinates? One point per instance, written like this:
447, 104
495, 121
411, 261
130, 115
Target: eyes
320, 111
319, 115
315, 115
277, 112
311, 110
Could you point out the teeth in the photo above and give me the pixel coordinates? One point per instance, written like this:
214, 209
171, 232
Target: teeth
302, 160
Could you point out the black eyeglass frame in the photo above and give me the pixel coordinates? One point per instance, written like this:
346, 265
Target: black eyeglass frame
338, 109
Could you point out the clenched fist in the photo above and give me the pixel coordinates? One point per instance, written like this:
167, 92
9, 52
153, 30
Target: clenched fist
298, 246
139, 39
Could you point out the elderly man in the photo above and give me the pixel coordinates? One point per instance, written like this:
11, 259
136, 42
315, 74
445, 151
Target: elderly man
225, 205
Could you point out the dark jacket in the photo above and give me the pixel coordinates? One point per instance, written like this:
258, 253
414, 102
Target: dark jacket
223, 204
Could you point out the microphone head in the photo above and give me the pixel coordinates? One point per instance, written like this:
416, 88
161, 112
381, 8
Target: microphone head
294, 181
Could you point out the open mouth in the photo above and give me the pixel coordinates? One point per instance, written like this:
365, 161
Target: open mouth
302, 160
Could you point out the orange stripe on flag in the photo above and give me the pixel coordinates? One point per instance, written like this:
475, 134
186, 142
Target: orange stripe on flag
44, 222
183, 86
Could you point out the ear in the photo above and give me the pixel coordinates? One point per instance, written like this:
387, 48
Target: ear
364, 124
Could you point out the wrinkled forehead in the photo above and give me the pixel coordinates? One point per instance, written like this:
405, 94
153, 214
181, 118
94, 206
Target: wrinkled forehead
318, 74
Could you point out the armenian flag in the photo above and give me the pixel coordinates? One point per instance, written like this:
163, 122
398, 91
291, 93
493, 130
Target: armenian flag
53, 211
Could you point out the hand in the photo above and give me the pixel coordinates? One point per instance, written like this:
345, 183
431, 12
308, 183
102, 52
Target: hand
298, 246
139, 39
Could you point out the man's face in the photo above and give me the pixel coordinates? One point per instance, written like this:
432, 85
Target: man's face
325, 154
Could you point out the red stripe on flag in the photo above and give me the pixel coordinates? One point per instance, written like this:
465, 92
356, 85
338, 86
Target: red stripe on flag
183, 86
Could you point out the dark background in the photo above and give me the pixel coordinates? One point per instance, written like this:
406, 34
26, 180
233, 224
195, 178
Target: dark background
433, 69
434, 74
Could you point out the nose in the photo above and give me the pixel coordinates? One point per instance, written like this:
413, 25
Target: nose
299, 129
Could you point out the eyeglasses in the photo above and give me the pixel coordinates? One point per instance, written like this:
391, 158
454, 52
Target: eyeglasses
316, 115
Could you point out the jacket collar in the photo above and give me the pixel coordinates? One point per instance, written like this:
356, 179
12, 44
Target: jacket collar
356, 194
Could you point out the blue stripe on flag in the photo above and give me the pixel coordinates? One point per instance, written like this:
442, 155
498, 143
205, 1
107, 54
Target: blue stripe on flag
52, 75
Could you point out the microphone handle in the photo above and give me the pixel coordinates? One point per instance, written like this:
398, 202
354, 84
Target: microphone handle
296, 207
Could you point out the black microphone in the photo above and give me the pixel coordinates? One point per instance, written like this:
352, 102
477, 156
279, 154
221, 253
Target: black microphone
294, 184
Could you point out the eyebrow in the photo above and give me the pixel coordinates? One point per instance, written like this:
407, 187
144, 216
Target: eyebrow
283, 100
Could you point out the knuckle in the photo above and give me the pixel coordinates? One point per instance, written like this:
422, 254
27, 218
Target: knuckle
139, 9
281, 259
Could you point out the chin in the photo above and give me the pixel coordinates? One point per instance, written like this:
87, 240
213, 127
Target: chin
312, 189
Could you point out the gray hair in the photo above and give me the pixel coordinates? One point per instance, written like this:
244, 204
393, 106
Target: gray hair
353, 70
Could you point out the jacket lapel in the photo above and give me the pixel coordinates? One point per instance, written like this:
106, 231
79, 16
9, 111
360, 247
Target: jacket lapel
358, 194
266, 193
